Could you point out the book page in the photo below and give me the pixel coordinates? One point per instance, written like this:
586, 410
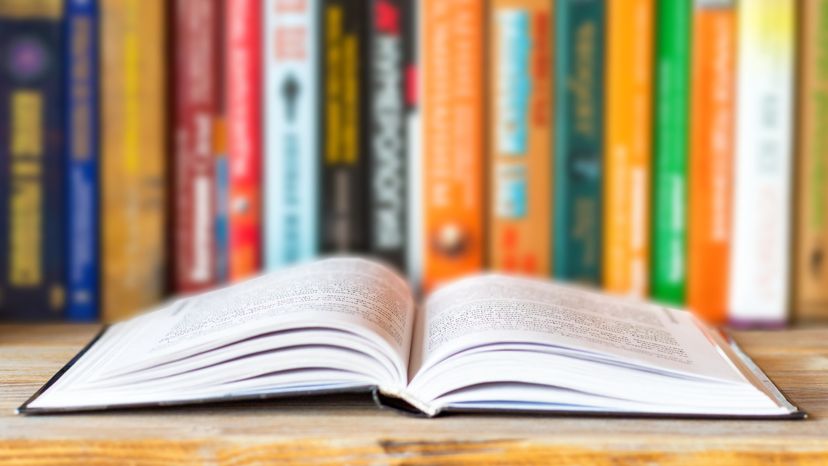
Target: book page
498, 309
353, 294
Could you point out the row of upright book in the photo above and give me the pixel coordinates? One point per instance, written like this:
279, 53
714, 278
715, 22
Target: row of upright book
664, 149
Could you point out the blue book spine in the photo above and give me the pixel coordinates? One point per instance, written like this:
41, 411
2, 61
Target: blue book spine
32, 162
222, 218
82, 159
291, 173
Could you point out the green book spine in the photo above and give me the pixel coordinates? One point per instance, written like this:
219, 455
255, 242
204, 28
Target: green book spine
671, 131
579, 100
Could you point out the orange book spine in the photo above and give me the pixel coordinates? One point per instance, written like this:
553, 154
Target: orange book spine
453, 139
520, 136
713, 106
628, 157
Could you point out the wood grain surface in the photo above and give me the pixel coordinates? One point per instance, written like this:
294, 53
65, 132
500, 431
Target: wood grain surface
350, 430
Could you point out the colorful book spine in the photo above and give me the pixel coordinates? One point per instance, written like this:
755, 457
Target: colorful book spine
387, 129
760, 255
520, 136
221, 163
291, 161
414, 215
811, 243
32, 244
453, 141
134, 155
628, 157
196, 50
82, 159
579, 139
712, 125
343, 107
671, 146
244, 134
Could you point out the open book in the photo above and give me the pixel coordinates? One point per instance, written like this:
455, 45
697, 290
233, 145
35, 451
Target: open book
486, 343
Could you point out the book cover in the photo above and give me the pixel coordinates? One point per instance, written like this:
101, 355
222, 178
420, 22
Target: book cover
579, 139
760, 252
244, 133
196, 49
628, 150
390, 36
712, 123
453, 139
134, 155
811, 242
82, 159
343, 111
32, 206
520, 136
671, 130
291, 164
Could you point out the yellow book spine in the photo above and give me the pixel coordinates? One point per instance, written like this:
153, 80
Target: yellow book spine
134, 150
628, 147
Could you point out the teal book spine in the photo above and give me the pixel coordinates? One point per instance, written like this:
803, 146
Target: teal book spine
671, 147
578, 167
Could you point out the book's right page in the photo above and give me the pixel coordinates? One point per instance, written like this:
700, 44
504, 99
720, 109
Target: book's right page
508, 342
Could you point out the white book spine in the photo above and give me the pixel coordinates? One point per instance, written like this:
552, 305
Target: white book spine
291, 132
764, 157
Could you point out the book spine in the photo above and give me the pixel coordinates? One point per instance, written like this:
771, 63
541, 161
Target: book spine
579, 101
196, 50
82, 159
671, 134
291, 161
387, 130
244, 135
32, 273
343, 107
811, 242
412, 95
760, 254
134, 155
520, 122
713, 104
628, 157
453, 45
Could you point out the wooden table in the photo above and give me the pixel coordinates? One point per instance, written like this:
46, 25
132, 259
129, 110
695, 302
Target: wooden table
353, 431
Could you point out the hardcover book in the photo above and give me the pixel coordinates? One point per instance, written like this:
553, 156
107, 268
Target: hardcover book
134, 155
671, 145
82, 160
628, 151
243, 79
579, 139
488, 344
343, 112
32, 181
760, 253
453, 139
520, 136
712, 130
390, 38
291, 216
811, 242
196, 93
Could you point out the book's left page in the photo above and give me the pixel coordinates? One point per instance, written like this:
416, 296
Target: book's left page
134, 157
329, 325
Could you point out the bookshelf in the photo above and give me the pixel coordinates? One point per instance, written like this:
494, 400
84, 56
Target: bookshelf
352, 430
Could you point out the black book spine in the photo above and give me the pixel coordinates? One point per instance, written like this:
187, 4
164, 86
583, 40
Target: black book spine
390, 36
31, 161
344, 164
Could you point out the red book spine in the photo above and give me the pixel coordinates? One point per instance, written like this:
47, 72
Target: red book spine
196, 69
244, 110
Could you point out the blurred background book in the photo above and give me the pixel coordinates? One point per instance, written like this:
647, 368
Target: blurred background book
672, 150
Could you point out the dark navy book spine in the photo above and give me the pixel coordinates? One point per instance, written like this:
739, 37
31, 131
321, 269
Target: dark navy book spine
32, 240
82, 159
